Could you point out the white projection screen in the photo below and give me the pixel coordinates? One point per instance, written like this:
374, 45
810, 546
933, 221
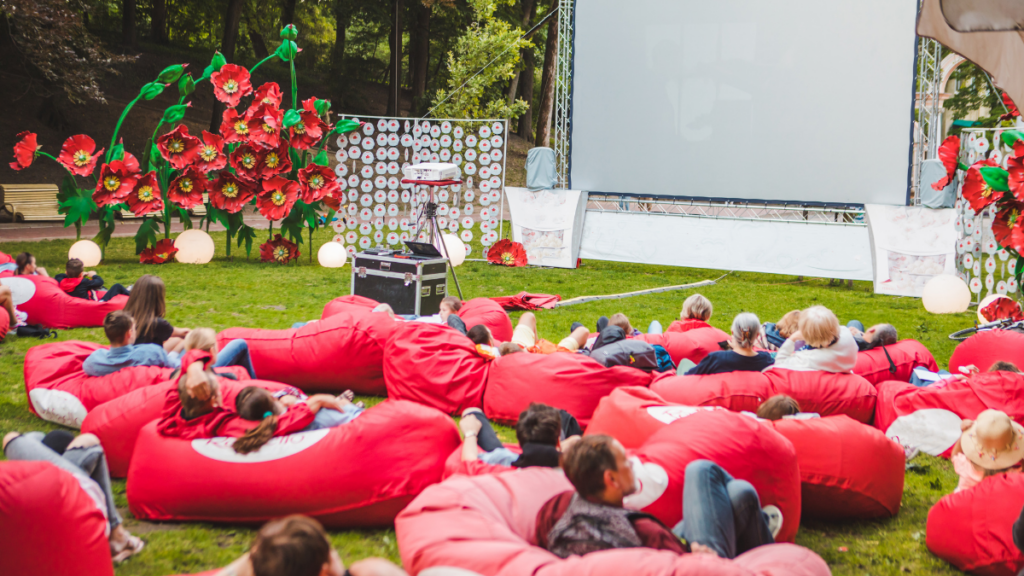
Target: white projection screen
781, 100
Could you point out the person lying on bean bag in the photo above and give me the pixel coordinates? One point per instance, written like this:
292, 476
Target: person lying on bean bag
260, 405
820, 344
525, 338
722, 515
543, 433
696, 312
741, 357
991, 444
81, 284
83, 457
778, 407
874, 337
7, 303
774, 334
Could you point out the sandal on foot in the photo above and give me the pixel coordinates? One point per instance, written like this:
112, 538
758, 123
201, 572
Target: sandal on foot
131, 548
348, 395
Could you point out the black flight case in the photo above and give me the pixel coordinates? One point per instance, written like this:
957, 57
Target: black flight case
411, 284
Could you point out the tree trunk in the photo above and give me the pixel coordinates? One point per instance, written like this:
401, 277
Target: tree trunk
529, 10
232, 16
158, 21
288, 13
342, 18
259, 47
421, 55
547, 82
395, 67
128, 24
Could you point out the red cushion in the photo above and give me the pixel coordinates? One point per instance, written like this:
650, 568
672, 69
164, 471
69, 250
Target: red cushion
972, 529
50, 524
736, 391
45, 303
632, 415
342, 352
348, 303
435, 366
360, 474
928, 418
985, 349
692, 344
741, 445
489, 313
5, 325
6, 258
874, 366
454, 464
117, 423
486, 524
571, 382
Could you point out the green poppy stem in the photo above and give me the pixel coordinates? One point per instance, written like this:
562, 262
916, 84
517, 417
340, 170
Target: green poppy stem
311, 244
260, 63
117, 128
295, 85
41, 153
271, 236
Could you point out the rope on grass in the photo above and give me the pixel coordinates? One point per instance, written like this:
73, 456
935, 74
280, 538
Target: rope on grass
582, 299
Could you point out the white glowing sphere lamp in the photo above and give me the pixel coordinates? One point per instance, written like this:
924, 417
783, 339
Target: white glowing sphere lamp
87, 251
455, 248
946, 294
332, 255
194, 247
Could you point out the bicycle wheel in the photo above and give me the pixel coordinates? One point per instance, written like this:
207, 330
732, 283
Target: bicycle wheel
964, 334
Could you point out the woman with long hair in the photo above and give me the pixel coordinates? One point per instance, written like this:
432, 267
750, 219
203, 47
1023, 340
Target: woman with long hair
147, 306
27, 266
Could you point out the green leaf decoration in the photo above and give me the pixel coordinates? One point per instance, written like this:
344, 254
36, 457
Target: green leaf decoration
235, 222
321, 159
117, 152
146, 236
291, 118
1010, 137
151, 90
154, 155
292, 224
289, 32
293, 154
345, 126
175, 113
996, 178
322, 106
76, 208
216, 63
963, 167
217, 215
186, 221
310, 215
171, 74
287, 50
103, 237
247, 234
68, 189
186, 86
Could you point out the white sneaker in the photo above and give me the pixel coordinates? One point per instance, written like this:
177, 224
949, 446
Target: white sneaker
22, 318
773, 516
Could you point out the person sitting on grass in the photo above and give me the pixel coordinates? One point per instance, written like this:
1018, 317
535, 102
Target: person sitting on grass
27, 266
778, 407
820, 344
259, 404
78, 283
119, 327
774, 334
991, 444
741, 357
542, 432
723, 516
83, 457
696, 312
874, 337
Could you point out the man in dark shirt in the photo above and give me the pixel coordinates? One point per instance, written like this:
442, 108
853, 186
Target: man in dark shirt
874, 337
80, 284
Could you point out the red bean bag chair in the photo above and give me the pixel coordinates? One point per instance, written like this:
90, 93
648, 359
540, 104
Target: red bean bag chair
6, 258
342, 352
633, 414
905, 355
693, 344
348, 303
50, 524
822, 392
45, 303
117, 423
454, 464
571, 382
489, 313
435, 366
5, 325
929, 418
985, 349
487, 524
972, 529
360, 474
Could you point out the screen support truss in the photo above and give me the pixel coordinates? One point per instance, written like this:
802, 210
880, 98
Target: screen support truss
927, 109
563, 92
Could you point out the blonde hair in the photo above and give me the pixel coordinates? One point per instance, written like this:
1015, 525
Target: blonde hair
621, 321
819, 327
201, 339
698, 307
789, 324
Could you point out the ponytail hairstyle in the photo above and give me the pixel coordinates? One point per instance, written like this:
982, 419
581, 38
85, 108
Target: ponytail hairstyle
201, 339
745, 329
23, 259
255, 403
191, 407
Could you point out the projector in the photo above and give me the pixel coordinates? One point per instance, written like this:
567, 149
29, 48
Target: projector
432, 172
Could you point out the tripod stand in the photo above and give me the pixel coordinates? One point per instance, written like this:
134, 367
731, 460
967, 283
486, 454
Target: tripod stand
430, 215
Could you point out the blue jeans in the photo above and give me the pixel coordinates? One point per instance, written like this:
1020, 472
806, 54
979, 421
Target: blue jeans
329, 417
721, 512
235, 353
655, 327
856, 324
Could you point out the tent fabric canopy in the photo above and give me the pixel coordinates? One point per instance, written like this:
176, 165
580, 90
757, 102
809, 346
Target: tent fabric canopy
984, 15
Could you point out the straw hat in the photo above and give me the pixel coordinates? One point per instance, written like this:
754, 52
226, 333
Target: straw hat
994, 442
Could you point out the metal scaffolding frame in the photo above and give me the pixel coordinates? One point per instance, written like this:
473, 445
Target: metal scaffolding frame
563, 92
723, 210
927, 109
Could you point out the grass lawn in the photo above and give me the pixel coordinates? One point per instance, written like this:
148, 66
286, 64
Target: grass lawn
248, 293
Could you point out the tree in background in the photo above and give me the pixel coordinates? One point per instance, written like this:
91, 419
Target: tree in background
974, 95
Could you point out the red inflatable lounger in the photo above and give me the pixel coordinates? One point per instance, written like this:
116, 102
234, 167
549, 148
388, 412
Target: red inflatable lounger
360, 474
972, 529
929, 418
692, 345
435, 366
45, 303
487, 524
117, 423
571, 382
985, 349
875, 367
489, 313
348, 304
342, 352
632, 415
50, 524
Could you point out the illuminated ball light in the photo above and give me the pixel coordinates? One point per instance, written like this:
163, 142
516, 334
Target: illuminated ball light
946, 294
87, 251
455, 248
194, 247
332, 255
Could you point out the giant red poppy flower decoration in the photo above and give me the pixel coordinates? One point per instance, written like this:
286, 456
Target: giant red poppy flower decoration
1001, 308
1015, 176
24, 150
310, 129
333, 201
317, 182
77, 155
949, 153
187, 189
115, 183
265, 125
1011, 108
163, 251
178, 147
130, 161
234, 127
246, 162
145, 197
229, 193
269, 93
230, 84
211, 153
1008, 229
277, 198
976, 190
274, 162
507, 253
278, 250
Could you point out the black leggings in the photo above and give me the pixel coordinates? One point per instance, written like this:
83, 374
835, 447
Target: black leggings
115, 290
487, 438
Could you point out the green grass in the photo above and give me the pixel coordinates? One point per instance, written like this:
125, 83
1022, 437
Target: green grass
249, 293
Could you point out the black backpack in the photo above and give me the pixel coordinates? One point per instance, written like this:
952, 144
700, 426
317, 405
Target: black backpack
35, 331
